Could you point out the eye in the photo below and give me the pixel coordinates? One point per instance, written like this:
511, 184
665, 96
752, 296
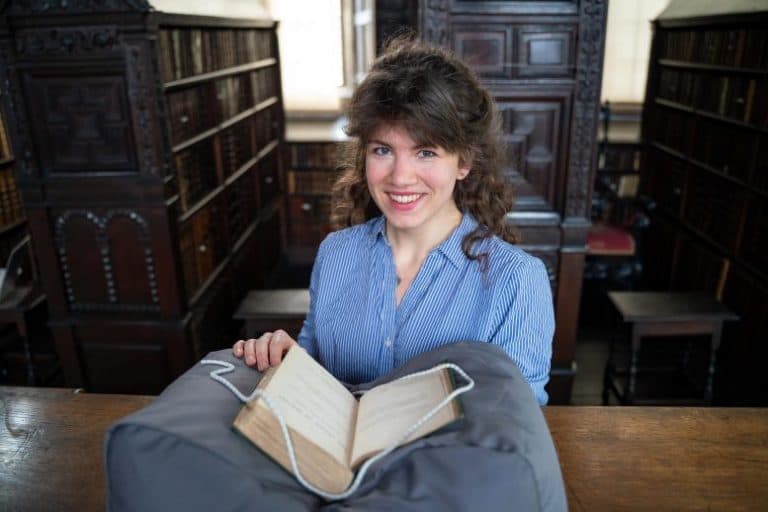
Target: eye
427, 153
380, 150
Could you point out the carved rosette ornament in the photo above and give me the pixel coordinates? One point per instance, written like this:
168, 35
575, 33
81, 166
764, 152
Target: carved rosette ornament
101, 224
585, 108
64, 41
27, 7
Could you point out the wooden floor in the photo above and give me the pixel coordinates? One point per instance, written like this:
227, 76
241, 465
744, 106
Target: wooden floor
591, 354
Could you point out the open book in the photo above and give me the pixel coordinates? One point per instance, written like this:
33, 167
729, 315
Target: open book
331, 431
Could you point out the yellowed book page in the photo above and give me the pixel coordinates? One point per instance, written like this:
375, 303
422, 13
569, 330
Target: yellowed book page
314, 403
315, 464
386, 412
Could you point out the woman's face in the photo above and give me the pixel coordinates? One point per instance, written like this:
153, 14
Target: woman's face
411, 184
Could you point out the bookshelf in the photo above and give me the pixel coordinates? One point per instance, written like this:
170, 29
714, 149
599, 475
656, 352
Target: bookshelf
12, 219
310, 173
152, 178
705, 133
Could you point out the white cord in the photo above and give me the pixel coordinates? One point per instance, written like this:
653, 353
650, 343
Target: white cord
257, 393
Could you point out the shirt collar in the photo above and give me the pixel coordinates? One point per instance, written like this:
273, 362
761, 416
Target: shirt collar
450, 248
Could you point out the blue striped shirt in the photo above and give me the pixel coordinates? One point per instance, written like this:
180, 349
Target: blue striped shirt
356, 330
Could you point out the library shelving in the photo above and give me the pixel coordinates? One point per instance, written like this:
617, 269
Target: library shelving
151, 175
703, 167
12, 219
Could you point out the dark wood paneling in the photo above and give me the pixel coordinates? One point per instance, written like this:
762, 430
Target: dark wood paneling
81, 124
546, 51
487, 49
542, 62
151, 152
534, 130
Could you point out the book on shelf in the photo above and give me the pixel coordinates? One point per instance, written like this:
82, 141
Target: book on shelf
627, 186
5, 144
332, 432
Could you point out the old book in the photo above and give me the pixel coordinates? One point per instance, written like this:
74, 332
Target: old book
332, 432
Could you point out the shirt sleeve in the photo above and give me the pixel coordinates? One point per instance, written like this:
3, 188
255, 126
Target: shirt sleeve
307, 339
527, 325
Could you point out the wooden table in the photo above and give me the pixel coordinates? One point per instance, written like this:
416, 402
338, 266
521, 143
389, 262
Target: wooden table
613, 458
665, 314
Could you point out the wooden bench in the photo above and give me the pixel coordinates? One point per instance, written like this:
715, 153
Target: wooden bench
268, 310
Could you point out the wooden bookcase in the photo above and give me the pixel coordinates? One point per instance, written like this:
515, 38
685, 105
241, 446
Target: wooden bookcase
705, 148
12, 219
151, 176
310, 173
542, 61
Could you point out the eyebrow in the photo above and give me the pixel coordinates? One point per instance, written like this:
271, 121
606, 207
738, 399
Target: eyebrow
417, 146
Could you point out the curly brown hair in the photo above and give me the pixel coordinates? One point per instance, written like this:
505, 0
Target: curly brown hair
440, 103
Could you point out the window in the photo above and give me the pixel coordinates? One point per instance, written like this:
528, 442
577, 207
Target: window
627, 49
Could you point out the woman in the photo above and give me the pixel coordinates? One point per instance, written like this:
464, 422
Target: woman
425, 257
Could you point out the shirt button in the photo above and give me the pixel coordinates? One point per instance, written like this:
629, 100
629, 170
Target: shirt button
388, 343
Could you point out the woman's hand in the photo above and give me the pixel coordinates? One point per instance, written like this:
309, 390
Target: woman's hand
264, 351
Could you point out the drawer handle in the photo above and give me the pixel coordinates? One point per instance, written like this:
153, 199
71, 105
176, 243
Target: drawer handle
202, 248
184, 119
306, 207
268, 180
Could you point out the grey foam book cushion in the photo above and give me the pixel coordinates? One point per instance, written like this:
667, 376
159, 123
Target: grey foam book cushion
181, 453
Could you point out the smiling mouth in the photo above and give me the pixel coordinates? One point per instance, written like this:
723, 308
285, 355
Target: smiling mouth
404, 198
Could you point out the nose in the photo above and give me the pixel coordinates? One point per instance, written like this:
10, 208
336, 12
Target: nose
402, 172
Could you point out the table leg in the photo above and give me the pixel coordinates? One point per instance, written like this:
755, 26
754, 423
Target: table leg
21, 325
609, 366
716, 335
629, 396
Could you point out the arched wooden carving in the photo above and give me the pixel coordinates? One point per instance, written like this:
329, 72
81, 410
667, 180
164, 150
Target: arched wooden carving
115, 267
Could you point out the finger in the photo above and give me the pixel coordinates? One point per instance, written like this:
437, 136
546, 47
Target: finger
280, 344
238, 348
261, 350
249, 351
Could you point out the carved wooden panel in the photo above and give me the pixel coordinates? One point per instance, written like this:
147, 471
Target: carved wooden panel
546, 50
81, 124
119, 361
487, 49
66, 41
80, 259
131, 259
533, 132
106, 260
